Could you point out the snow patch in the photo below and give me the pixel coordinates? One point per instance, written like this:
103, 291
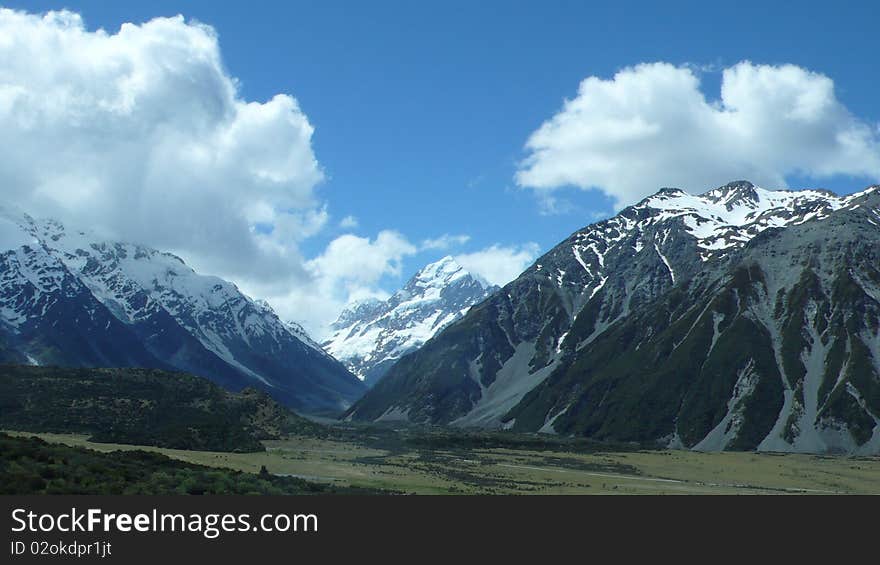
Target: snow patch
666, 262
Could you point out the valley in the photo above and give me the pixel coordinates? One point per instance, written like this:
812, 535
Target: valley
440, 462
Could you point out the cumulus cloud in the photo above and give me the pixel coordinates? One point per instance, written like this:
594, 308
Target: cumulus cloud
144, 135
350, 268
445, 241
651, 126
499, 264
352, 260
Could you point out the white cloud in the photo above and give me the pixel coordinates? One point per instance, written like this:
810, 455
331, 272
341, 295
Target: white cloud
499, 264
651, 126
445, 241
349, 223
350, 268
144, 135
359, 261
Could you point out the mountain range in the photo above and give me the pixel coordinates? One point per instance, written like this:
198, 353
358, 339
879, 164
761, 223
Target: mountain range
737, 319
71, 298
740, 318
370, 336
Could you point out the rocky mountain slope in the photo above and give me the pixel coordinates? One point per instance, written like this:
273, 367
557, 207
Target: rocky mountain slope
370, 336
70, 298
741, 318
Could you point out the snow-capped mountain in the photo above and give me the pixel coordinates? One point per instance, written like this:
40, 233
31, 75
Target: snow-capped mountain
68, 297
741, 318
370, 336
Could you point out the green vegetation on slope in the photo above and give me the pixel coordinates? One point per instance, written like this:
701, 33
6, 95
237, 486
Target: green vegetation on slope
142, 406
670, 369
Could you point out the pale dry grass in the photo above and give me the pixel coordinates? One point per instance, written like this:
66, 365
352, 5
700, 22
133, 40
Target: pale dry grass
523, 472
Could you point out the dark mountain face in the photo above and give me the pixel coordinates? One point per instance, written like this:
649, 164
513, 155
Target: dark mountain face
737, 319
68, 298
371, 336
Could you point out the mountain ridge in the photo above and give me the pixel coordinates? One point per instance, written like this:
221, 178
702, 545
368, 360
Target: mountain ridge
68, 297
524, 358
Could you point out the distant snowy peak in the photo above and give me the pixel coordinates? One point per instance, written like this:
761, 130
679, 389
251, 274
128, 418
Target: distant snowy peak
439, 274
357, 311
370, 335
435, 281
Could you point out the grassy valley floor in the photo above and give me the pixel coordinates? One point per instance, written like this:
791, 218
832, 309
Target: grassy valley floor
385, 462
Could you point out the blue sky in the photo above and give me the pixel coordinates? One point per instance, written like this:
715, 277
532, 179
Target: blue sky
421, 110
